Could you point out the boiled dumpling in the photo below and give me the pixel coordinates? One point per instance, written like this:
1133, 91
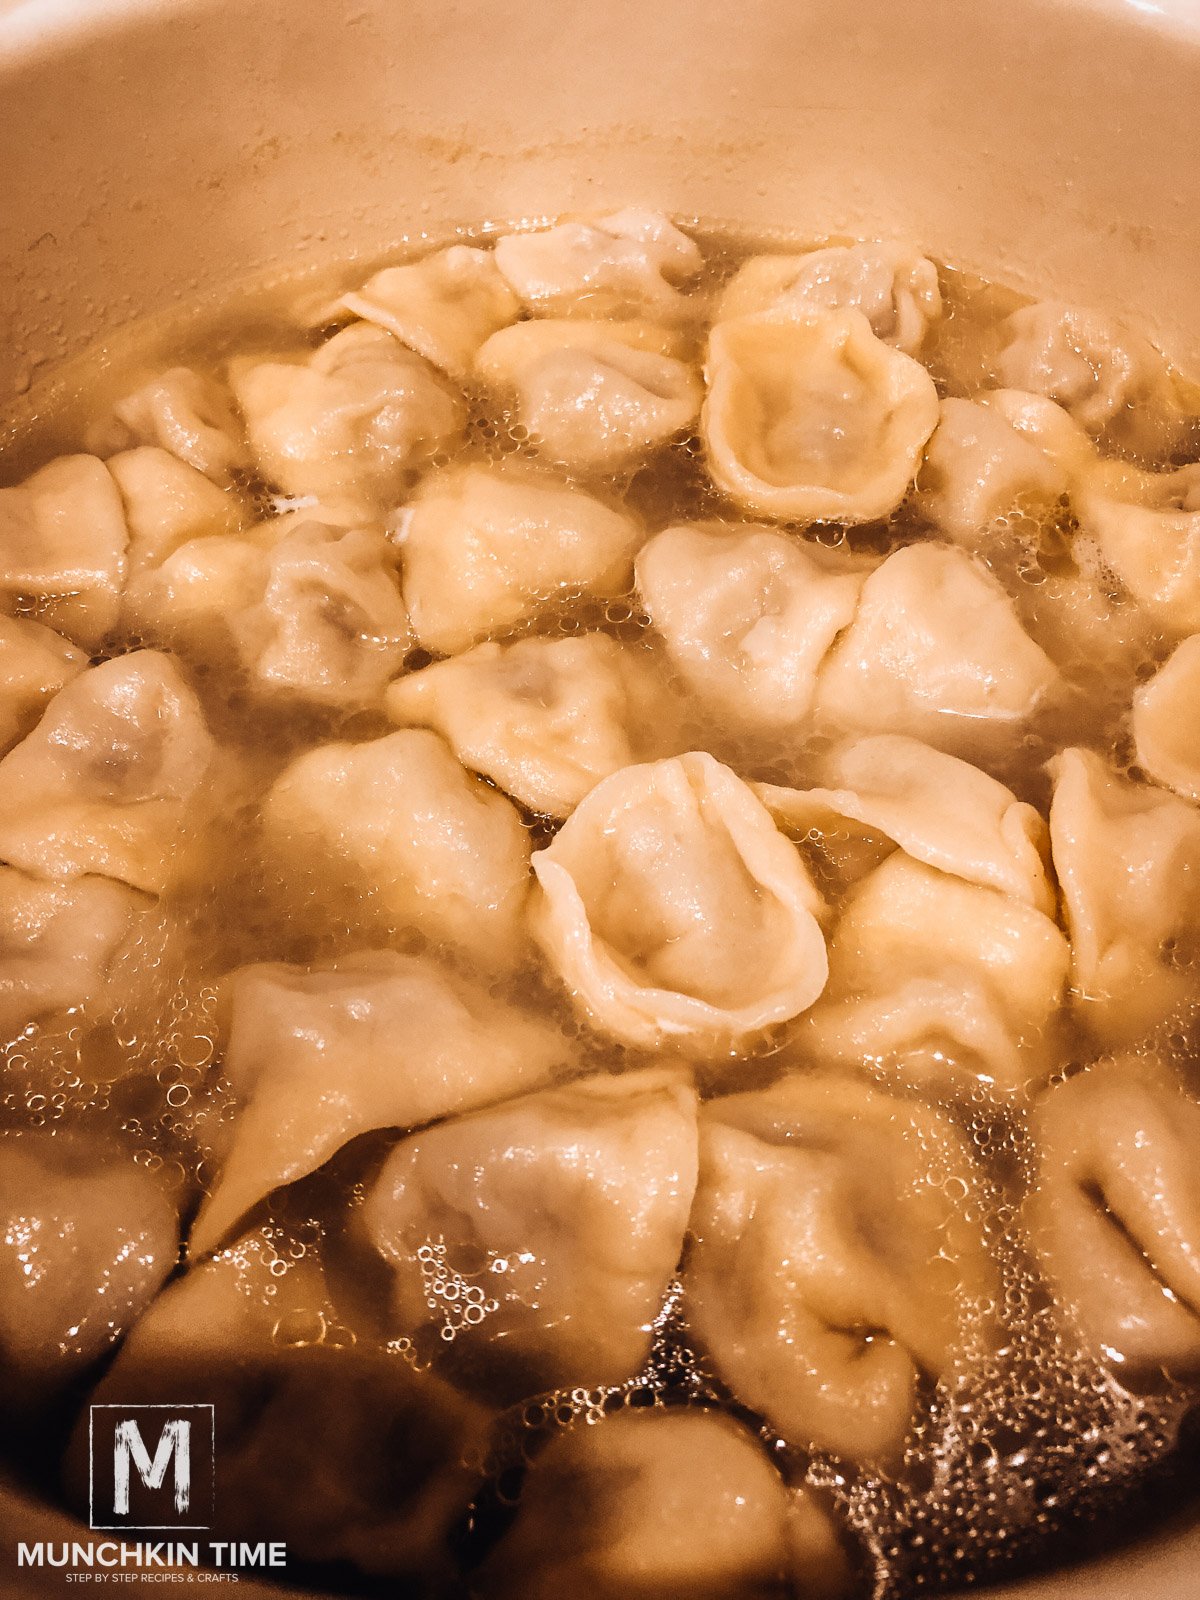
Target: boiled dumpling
167, 502
836, 1256
352, 423
895, 288
1147, 527
315, 1057
747, 616
486, 547
323, 1439
109, 779
1128, 859
935, 651
398, 821
814, 418
676, 912
1166, 721
626, 265
593, 396
1115, 1213
185, 413
443, 306
86, 1240
660, 1504
559, 1217
544, 719
35, 663
63, 540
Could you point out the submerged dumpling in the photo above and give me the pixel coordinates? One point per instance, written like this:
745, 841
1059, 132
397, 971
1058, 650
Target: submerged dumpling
658, 1504
315, 1057
559, 1217
747, 616
593, 396
443, 306
1147, 527
396, 820
185, 413
63, 540
626, 265
1166, 721
486, 547
813, 418
109, 780
676, 912
895, 288
935, 651
352, 423
167, 502
1128, 859
86, 1240
35, 663
835, 1257
1115, 1213
323, 1439
544, 719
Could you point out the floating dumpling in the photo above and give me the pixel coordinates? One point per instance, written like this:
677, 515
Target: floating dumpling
558, 1217
895, 288
1115, 1213
86, 1240
167, 502
814, 419
443, 307
747, 616
660, 1504
544, 719
185, 413
1147, 527
351, 424
486, 547
1128, 860
315, 1057
675, 911
1166, 722
935, 651
322, 1439
626, 265
35, 663
593, 396
109, 780
63, 540
835, 1257
398, 822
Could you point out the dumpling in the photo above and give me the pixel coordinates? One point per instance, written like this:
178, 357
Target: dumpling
1166, 722
352, 423
323, 1439
63, 540
593, 396
544, 719
1115, 1213
895, 288
397, 824
940, 980
86, 1240
315, 1057
676, 912
836, 1255
167, 502
109, 780
559, 1218
813, 419
443, 306
626, 265
35, 663
1147, 526
185, 413
935, 651
486, 547
747, 616
58, 942
659, 1504
1128, 860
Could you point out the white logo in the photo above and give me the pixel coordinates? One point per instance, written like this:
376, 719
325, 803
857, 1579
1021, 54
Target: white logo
130, 1487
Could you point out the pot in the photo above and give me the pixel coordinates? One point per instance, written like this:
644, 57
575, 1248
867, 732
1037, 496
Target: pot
157, 150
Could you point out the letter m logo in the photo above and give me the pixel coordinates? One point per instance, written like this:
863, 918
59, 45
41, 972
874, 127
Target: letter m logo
175, 1441
151, 1467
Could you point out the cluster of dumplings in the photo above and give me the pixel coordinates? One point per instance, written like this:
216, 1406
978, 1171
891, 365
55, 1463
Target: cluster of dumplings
678, 958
